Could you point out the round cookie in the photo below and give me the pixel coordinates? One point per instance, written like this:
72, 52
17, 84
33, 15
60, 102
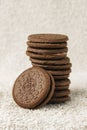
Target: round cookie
60, 72
63, 82
61, 87
46, 56
47, 45
58, 77
47, 38
59, 100
51, 62
50, 94
31, 87
61, 93
52, 67
47, 51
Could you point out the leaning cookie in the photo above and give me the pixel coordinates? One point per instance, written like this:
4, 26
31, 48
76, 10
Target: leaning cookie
31, 87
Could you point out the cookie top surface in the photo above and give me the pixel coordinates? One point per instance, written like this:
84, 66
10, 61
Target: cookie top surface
31, 87
47, 38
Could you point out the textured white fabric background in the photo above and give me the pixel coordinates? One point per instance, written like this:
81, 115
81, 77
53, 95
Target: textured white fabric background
18, 19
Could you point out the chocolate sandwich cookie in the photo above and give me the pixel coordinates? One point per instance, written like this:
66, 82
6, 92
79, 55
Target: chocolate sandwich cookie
58, 77
64, 82
52, 67
61, 93
59, 100
47, 51
51, 62
60, 72
61, 87
31, 87
47, 45
47, 38
51, 92
46, 56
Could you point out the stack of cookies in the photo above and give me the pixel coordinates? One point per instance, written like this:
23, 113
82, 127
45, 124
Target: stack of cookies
49, 51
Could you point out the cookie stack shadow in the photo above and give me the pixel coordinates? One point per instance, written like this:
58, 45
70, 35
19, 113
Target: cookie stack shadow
49, 51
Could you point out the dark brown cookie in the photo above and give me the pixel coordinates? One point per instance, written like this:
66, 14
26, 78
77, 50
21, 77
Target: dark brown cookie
50, 94
64, 82
47, 51
47, 45
58, 77
31, 87
61, 93
60, 72
52, 67
47, 38
59, 100
51, 62
46, 56
61, 87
